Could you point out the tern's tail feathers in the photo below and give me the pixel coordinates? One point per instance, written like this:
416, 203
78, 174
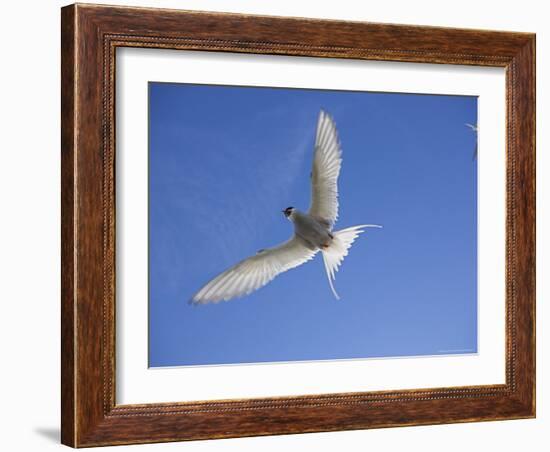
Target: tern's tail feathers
339, 248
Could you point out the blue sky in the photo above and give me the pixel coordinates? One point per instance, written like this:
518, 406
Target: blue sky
224, 161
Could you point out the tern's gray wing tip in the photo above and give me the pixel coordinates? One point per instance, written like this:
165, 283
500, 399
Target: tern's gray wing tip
193, 301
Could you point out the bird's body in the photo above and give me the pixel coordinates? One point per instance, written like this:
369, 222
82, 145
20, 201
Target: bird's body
313, 230
315, 233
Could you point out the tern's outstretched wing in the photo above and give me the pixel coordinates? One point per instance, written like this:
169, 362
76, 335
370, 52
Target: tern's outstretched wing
254, 272
327, 161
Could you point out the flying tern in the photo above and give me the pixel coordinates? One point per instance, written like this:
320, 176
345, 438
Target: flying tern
474, 129
313, 230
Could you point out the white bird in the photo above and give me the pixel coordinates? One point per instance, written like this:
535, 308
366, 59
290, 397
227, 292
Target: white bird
312, 230
475, 130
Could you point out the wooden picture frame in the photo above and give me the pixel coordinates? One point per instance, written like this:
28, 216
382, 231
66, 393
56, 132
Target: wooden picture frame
90, 35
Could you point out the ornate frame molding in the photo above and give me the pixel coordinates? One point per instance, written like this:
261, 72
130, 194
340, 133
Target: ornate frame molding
90, 36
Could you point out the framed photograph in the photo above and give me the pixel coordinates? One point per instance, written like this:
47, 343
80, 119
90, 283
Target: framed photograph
281, 225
